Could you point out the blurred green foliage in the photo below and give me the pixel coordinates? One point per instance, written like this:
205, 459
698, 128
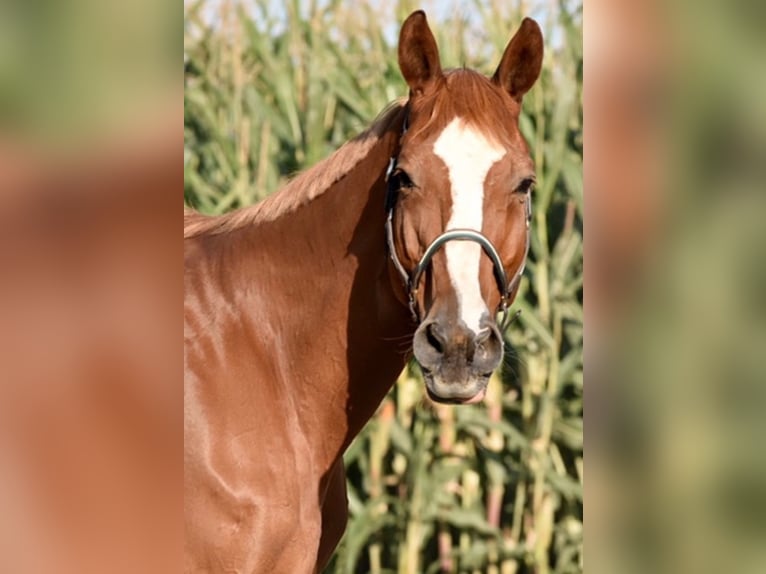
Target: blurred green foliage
71, 70
493, 488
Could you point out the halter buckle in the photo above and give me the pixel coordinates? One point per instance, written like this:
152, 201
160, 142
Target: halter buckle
391, 167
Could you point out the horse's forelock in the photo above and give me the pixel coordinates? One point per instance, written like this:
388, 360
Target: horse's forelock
472, 97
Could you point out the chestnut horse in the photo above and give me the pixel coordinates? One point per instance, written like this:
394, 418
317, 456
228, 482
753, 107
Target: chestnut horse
296, 309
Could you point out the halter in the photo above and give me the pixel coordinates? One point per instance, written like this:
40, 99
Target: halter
412, 280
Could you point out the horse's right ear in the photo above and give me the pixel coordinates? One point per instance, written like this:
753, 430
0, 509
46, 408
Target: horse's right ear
418, 54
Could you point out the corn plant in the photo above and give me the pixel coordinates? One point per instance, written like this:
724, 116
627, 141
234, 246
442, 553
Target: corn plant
493, 488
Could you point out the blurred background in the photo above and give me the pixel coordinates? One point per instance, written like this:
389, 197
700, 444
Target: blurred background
272, 88
676, 318
90, 287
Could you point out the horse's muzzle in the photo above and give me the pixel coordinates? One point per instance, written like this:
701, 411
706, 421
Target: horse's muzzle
457, 362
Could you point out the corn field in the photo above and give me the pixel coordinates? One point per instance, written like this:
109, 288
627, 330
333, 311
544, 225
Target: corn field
494, 488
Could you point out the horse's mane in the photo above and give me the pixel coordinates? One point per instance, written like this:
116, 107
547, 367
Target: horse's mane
301, 189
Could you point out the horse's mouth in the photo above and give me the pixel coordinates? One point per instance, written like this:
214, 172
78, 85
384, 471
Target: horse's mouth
461, 393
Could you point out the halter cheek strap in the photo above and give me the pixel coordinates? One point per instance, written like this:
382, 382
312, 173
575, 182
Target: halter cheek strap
412, 280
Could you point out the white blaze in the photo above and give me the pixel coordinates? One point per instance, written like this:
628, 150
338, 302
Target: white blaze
468, 156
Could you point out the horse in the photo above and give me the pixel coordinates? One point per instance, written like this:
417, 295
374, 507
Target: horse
296, 309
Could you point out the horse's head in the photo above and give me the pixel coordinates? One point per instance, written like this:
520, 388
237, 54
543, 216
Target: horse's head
462, 165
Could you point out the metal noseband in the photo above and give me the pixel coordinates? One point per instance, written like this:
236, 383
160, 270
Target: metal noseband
412, 281
461, 235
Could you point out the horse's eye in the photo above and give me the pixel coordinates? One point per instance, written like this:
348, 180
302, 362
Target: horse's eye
400, 180
526, 185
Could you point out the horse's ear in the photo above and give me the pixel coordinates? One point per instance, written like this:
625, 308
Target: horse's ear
418, 54
522, 60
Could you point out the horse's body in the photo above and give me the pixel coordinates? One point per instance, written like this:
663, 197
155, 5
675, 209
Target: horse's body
293, 338
296, 324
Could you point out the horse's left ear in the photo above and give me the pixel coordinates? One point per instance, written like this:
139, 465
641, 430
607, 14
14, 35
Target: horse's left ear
522, 60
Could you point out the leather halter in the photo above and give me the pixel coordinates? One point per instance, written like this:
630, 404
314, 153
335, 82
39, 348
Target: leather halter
412, 280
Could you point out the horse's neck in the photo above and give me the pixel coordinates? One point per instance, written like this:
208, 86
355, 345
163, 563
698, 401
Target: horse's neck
341, 335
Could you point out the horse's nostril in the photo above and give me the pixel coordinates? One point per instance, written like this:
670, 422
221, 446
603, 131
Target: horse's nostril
483, 336
488, 350
434, 338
